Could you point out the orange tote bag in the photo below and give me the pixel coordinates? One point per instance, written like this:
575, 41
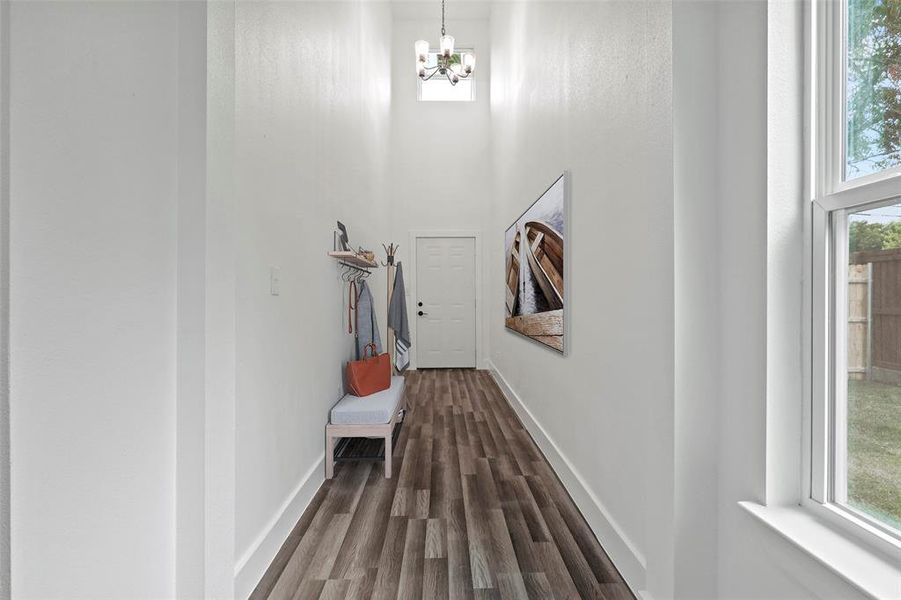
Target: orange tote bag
369, 375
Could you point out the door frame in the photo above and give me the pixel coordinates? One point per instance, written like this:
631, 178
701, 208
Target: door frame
476, 235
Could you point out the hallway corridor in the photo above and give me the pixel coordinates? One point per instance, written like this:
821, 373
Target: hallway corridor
474, 511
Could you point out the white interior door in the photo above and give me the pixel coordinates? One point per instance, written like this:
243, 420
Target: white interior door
445, 308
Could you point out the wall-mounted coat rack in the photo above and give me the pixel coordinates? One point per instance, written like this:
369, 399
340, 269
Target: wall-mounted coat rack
355, 266
353, 273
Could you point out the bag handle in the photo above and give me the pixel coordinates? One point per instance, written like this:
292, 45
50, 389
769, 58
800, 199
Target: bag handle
373, 349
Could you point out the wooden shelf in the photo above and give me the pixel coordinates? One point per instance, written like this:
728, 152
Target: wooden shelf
352, 258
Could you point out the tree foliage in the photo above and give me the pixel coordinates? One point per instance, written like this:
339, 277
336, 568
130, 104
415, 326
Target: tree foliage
865, 236
873, 85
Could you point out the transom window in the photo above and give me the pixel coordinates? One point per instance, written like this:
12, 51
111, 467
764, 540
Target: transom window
855, 426
439, 89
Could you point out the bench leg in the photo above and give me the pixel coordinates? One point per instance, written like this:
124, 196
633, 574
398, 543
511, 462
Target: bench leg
389, 452
329, 456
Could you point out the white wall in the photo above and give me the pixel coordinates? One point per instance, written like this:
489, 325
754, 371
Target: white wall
312, 113
93, 224
440, 152
219, 291
760, 220
4, 302
190, 301
697, 305
585, 87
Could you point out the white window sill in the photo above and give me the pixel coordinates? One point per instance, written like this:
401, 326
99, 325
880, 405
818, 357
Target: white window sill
874, 574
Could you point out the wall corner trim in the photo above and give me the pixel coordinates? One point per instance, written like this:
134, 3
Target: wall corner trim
623, 552
252, 565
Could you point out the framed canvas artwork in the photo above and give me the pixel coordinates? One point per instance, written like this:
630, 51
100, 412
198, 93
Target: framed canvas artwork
535, 269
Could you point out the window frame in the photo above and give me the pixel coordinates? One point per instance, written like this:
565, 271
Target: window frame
832, 198
471, 79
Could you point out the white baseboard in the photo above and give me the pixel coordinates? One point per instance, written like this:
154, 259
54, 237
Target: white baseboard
624, 554
256, 559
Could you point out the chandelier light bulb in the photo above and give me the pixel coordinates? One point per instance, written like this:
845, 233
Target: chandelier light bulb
447, 45
422, 50
469, 63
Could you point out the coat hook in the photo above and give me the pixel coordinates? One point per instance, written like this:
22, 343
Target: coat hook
390, 251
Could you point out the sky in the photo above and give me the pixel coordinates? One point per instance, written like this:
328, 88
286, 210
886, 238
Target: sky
886, 214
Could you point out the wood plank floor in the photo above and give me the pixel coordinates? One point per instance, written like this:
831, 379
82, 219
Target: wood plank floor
473, 511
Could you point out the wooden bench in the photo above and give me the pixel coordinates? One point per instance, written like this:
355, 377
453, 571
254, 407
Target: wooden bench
372, 416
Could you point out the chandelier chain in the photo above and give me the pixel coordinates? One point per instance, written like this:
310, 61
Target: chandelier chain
442, 17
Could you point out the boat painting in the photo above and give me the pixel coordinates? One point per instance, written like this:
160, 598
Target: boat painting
512, 274
534, 270
545, 255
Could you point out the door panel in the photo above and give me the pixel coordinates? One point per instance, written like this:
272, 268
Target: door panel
445, 284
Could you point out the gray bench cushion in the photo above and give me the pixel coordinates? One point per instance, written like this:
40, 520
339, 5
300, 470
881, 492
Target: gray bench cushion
374, 409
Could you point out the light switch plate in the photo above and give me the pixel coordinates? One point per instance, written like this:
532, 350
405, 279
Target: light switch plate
274, 281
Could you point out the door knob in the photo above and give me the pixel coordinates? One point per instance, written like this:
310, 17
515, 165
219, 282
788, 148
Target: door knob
420, 313
419, 304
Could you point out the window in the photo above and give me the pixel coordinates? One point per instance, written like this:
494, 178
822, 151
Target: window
868, 452
855, 425
439, 89
873, 87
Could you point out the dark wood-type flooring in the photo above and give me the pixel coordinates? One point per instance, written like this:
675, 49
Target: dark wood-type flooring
474, 511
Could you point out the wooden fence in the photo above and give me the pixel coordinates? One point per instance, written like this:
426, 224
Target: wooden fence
874, 315
859, 324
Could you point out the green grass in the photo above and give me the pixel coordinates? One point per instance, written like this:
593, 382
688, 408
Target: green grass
874, 449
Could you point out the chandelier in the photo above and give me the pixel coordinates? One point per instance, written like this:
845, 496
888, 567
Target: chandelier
450, 65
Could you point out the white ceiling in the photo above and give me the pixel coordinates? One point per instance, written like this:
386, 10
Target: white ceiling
428, 9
